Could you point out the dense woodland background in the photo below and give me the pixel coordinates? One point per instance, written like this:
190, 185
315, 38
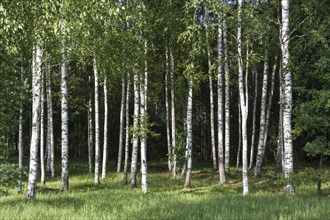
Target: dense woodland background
173, 43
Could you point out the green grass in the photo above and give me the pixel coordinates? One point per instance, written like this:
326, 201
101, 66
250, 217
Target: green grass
166, 198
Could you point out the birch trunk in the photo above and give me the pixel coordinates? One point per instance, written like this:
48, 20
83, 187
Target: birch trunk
287, 108
255, 97
42, 133
50, 126
97, 125
144, 179
168, 134
239, 148
189, 132
64, 114
242, 102
280, 141
126, 128
36, 80
135, 130
261, 146
121, 126
214, 157
90, 130
227, 100
221, 166
105, 130
20, 135
173, 130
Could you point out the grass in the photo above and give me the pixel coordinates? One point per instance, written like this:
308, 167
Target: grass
166, 198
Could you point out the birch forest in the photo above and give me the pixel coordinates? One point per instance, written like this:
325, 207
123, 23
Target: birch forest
158, 108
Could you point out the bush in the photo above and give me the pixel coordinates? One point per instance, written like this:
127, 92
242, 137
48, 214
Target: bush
9, 174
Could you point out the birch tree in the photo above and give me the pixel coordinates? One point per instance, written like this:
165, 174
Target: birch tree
173, 124
126, 129
121, 123
20, 135
105, 130
287, 108
168, 133
42, 133
90, 128
97, 124
255, 97
36, 80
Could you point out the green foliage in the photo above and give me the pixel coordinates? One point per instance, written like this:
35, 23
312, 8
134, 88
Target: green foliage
144, 129
9, 174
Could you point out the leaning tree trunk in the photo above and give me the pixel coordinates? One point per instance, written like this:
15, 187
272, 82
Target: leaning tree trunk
173, 130
227, 103
90, 129
261, 146
121, 126
126, 128
20, 135
255, 97
36, 80
287, 108
144, 174
242, 102
135, 131
214, 157
64, 113
189, 132
97, 125
105, 131
50, 126
42, 132
168, 134
221, 166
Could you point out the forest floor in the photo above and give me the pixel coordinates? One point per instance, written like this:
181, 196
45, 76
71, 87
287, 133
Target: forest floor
167, 199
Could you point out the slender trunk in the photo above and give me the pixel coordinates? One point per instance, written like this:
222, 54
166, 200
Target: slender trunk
64, 114
36, 79
173, 130
135, 131
168, 134
238, 156
105, 130
144, 178
126, 128
261, 146
20, 135
227, 100
242, 102
97, 125
121, 126
189, 132
287, 108
221, 166
42, 133
50, 126
255, 97
90, 130
214, 157
280, 141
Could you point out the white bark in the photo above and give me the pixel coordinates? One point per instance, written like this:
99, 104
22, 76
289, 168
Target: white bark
144, 178
50, 127
173, 129
90, 130
126, 128
42, 133
20, 136
242, 102
168, 134
209, 62
97, 125
287, 108
189, 132
105, 130
135, 128
261, 146
239, 147
227, 99
221, 166
121, 126
64, 124
280, 141
255, 97
36, 80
